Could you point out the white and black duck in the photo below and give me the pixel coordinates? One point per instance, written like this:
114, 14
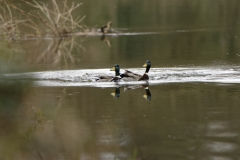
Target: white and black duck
137, 77
115, 78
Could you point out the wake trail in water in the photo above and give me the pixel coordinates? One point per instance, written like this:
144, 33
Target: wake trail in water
157, 76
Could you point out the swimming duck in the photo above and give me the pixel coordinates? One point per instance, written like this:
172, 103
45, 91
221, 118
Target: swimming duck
105, 29
115, 78
135, 76
147, 64
118, 76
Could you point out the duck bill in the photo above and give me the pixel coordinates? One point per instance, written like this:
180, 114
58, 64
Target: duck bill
113, 69
145, 65
113, 94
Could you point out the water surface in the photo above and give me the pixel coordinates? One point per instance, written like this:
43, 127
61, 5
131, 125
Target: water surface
51, 107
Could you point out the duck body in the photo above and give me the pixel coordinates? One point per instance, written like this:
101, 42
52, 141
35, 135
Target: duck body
129, 75
104, 78
115, 78
106, 28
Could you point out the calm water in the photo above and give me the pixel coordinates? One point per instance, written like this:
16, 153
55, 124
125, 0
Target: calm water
50, 107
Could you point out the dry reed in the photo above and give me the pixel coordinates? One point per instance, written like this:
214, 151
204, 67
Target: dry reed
55, 19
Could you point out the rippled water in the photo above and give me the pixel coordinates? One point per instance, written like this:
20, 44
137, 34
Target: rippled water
52, 108
180, 121
87, 77
180, 113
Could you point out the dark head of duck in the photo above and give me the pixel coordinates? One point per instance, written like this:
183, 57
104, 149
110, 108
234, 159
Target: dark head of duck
118, 76
147, 64
116, 68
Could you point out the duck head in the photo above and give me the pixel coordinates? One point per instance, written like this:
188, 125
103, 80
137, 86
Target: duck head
147, 64
116, 68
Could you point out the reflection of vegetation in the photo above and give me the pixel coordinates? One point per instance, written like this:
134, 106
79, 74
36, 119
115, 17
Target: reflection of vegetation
39, 120
11, 95
60, 101
52, 52
39, 51
28, 129
9, 57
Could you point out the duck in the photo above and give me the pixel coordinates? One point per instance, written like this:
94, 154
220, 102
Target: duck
106, 28
138, 77
145, 77
118, 76
115, 78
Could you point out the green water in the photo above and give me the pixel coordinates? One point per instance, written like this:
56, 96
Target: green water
180, 121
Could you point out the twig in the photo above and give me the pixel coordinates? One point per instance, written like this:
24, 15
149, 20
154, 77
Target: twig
45, 23
9, 11
57, 10
25, 15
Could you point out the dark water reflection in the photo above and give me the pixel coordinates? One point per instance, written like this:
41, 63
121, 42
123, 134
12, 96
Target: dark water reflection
181, 121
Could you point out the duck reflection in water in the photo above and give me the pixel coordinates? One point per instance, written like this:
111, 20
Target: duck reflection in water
148, 95
116, 94
105, 39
